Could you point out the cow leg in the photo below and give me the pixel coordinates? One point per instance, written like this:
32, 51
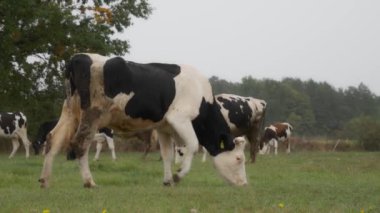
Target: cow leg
288, 146
22, 134
148, 142
53, 147
88, 181
15, 146
275, 146
186, 133
204, 154
99, 145
166, 149
111, 146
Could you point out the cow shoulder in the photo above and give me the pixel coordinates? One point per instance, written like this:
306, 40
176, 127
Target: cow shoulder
151, 87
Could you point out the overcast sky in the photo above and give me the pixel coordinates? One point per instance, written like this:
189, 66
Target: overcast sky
337, 41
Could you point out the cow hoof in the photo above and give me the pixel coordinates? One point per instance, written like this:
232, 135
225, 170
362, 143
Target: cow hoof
169, 183
89, 185
176, 178
43, 183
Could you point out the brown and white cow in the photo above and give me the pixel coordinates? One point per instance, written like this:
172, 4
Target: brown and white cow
277, 132
13, 126
176, 100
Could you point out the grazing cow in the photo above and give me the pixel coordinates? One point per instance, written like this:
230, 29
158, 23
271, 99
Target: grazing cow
244, 116
104, 135
176, 100
278, 132
13, 126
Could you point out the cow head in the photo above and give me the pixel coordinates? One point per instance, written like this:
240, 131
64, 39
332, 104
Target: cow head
37, 145
231, 164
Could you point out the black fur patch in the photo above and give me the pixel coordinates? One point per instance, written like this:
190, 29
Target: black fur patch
7, 122
43, 130
239, 112
106, 131
152, 84
78, 71
212, 130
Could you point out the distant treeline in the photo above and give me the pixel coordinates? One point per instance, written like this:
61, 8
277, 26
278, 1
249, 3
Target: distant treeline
314, 108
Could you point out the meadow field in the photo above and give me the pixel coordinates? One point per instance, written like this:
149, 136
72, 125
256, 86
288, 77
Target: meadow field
299, 182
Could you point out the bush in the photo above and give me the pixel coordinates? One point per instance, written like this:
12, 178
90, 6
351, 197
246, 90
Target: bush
370, 139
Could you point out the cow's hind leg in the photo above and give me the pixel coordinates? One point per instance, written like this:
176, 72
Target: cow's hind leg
166, 148
88, 181
22, 134
111, 146
99, 145
15, 146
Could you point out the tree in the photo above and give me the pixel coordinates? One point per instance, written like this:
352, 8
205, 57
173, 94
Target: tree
36, 37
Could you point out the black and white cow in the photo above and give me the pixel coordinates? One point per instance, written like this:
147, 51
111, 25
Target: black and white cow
244, 116
274, 133
176, 100
104, 135
13, 126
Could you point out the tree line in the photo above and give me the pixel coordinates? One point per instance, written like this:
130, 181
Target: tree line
314, 108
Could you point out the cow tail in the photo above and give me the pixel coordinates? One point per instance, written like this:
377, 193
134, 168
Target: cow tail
68, 91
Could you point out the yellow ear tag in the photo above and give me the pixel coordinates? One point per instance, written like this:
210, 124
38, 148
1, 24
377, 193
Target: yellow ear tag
222, 144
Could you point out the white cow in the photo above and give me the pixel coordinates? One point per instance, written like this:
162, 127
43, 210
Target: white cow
13, 126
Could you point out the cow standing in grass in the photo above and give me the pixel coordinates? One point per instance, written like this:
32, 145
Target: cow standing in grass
176, 100
244, 116
278, 132
13, 126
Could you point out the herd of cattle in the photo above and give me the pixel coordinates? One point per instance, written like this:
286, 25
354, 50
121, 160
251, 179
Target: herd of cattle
170, 103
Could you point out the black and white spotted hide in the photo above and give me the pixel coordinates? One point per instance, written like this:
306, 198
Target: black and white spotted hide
13, 126
244, 116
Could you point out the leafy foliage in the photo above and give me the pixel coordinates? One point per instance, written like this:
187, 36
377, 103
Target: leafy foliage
36, 37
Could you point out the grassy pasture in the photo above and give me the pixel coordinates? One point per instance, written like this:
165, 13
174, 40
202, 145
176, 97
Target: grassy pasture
299, 182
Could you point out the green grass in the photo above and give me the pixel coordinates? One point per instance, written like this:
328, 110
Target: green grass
301, 182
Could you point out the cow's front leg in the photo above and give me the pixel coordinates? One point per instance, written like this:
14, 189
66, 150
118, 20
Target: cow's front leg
187, 134
166, 148
88, 181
